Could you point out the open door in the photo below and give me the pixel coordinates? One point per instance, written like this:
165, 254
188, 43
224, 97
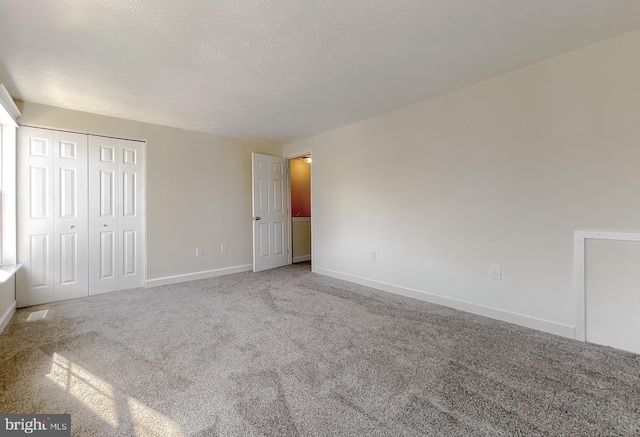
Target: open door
270, 215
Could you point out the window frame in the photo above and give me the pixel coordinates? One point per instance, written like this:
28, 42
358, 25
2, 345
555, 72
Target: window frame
9, 115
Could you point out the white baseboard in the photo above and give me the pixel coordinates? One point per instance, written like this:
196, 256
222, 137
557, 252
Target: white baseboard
299, 259
168, 280
494, 313
6, 317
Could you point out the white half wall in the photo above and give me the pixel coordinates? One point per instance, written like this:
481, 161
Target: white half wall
301, 238
500, 173
198, 190
612, 293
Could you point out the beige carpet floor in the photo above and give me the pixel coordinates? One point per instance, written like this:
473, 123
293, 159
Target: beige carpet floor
287, 352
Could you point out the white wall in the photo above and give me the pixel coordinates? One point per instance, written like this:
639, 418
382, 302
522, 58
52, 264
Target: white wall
198, 190
502, 172
7, 301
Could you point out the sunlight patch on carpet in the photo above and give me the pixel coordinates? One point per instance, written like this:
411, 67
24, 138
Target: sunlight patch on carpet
148, 422
92, 391
99, 397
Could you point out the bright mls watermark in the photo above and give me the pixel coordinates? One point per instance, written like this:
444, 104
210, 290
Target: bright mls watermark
41, 425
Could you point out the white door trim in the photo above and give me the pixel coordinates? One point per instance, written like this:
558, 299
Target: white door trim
579, 271
289, 157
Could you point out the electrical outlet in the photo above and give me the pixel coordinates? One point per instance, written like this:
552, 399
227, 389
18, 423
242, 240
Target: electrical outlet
223, 247
372, 255
496, 273
199, 251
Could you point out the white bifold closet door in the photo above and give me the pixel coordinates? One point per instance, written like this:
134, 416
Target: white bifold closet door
116, 214
52, 216
81, 215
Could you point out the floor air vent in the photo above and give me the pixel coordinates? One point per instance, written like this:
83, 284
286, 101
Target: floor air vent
37, 315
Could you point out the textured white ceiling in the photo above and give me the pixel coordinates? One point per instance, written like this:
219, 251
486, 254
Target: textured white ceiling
279, 69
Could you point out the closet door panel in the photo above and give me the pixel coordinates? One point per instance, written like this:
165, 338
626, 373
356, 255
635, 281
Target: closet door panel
104, 201
132, 214
35, 281
70, 243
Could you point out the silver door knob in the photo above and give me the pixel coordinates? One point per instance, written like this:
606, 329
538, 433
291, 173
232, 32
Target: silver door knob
72, 226
104, 226
256, 218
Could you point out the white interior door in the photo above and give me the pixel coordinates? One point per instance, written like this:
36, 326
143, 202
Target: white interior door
52, 216
70, 243
81, 215
270, 215
116, 214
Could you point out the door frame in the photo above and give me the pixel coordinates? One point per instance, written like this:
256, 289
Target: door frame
579, 283
289, 157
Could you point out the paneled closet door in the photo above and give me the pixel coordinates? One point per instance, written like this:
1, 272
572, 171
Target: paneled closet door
116, 214
35, 216
132, 214
104, 185
70, 244
52, 216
